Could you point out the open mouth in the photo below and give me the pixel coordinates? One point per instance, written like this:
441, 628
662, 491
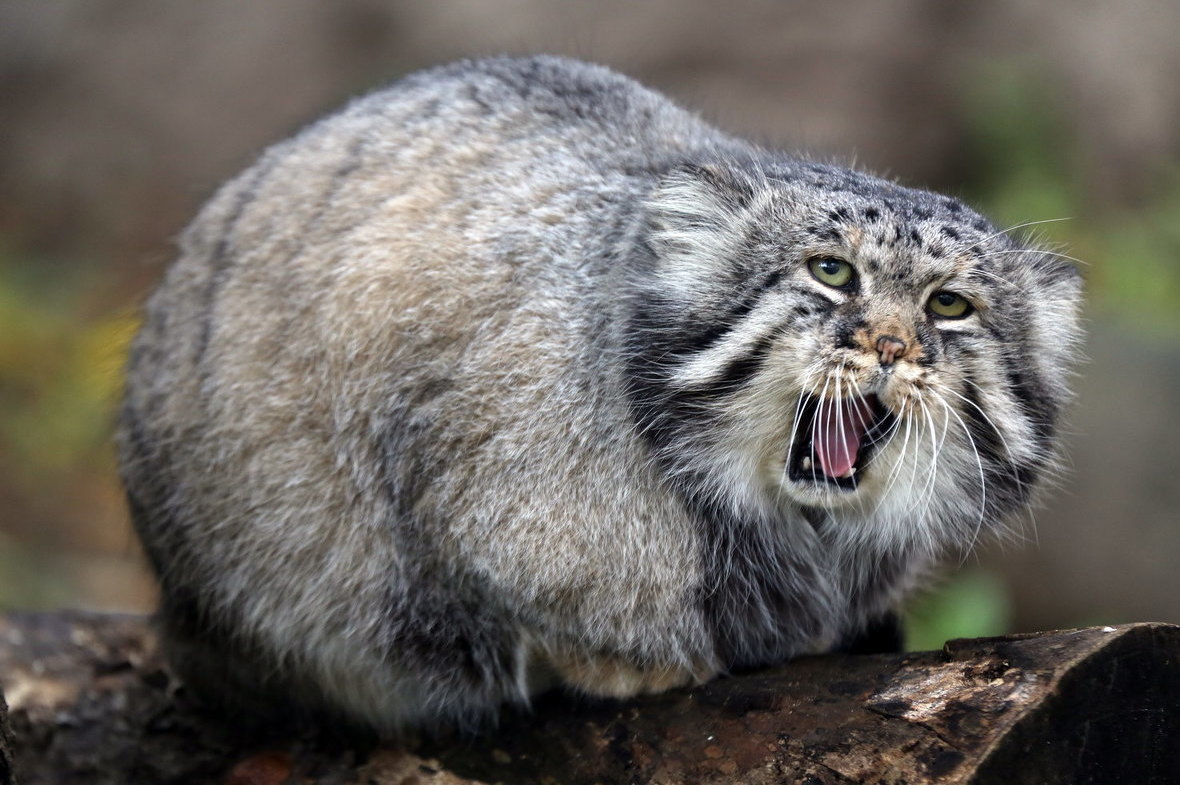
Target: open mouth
836, 439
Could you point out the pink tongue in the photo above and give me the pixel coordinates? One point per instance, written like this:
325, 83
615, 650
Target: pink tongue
836, 435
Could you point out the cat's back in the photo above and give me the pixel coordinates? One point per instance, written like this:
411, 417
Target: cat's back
429, 239
487, 178
466, 145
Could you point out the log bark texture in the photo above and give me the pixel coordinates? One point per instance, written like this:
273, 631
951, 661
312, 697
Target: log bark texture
91, 701
6, 744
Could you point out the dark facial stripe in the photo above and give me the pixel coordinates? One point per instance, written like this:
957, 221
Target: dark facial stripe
679, 343
1008, 482
739, 370
654, 351
1038, 406
845, 329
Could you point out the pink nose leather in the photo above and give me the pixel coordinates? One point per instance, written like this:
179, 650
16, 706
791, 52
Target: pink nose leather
890, 348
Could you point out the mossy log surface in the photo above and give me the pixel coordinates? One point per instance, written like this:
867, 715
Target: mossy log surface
91, 701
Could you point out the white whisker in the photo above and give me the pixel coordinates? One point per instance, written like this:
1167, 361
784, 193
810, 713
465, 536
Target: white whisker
1011, 229
982, 476
923, 502
1034, 252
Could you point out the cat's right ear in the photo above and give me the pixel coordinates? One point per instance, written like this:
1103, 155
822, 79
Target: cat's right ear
696, 223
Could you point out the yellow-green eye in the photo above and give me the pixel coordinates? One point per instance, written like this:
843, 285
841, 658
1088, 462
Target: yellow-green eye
948, 305
833, 272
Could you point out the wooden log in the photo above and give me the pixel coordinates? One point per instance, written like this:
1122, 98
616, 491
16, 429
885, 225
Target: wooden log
91, 701
6, 743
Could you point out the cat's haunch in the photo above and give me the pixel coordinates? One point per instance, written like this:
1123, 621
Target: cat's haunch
515, 374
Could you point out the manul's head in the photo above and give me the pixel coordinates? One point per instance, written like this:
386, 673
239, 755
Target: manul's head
809, 336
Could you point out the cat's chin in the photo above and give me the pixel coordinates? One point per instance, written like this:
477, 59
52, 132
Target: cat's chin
824, 495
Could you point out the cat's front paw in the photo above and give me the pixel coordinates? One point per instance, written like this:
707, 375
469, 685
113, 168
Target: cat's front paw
616, 677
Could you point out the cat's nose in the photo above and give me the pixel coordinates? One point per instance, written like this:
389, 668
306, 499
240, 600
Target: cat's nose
890, 348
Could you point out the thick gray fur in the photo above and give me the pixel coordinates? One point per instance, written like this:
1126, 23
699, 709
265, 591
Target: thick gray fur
489, 382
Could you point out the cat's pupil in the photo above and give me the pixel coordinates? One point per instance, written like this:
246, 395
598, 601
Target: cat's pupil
830, 266
946, 299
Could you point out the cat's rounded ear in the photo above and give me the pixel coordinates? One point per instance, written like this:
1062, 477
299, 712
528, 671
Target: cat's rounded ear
696, 224
698, 197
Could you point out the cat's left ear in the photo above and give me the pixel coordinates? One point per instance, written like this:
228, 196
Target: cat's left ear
696, 222
696, 197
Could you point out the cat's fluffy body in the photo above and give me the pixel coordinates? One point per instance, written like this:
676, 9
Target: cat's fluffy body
492, 379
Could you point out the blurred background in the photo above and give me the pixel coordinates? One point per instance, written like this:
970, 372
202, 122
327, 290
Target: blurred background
119, 117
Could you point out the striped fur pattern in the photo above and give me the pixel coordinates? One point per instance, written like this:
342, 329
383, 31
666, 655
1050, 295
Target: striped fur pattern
515, 374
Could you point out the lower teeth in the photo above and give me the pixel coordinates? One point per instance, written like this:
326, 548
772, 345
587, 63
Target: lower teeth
805, 464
